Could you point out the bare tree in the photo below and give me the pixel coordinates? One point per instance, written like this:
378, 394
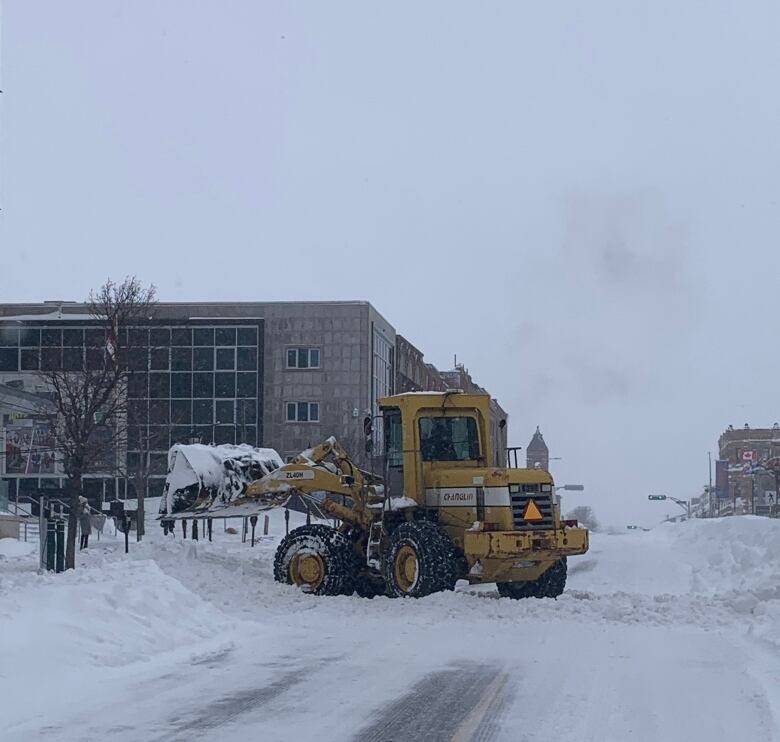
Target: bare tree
585, 515
91, 401
146, 440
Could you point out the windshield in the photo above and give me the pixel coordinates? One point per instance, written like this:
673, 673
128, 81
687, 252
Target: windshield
449, 438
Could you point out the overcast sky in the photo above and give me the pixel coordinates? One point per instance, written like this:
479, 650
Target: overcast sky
579, 199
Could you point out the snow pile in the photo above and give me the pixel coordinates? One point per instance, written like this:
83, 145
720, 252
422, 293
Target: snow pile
11, 547
92, 625
199, 476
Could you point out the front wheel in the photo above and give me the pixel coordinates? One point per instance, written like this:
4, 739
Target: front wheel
420, 560
316, 558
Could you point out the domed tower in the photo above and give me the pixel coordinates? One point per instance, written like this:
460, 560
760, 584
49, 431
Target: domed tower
537, 455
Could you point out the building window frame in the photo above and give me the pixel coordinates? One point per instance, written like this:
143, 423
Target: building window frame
301, 411
303, 354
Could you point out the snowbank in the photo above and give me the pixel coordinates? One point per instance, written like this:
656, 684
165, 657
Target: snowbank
11, 547
64, 634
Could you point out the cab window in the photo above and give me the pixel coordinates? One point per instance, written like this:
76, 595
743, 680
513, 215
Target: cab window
449, 438
394, 443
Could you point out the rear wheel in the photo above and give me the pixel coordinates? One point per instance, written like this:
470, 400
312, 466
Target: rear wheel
316, 558
549, 585
420, 560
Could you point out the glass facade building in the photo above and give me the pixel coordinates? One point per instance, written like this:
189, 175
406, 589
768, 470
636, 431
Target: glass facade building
188, 379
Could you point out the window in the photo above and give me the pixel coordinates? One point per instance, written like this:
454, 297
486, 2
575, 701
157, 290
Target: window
51, 338
95, 338
247, 336
246, 411
73, 359
204, 359
73, 338
181, 336
203, 336
181, 386
51, 359
9, 359
9, 337
224, 384
159, 359
303, 412
225, 411
303, 358
226, 336
449, 439
30, 359
138, 359
203, 411
247, 385
160, 337
159, 385
96, 358
226, 359
137, 386
247, 359
394, 444
181, 411
181, 359
203, 385
29, 337
159, 412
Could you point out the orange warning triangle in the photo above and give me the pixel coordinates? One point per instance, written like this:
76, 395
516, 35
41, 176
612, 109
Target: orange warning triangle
532, 511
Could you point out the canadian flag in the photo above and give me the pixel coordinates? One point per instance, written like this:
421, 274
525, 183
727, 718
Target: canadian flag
748, 455
112, 344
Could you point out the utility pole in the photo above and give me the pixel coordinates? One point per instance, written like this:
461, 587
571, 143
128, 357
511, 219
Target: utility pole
709, 488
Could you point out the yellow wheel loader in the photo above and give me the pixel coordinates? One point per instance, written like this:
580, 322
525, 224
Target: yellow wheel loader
439, 512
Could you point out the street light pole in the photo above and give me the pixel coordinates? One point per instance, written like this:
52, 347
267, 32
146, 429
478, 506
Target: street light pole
684, 504
568, 488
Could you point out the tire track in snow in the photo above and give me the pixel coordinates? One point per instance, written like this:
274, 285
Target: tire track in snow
231, 707
452, 705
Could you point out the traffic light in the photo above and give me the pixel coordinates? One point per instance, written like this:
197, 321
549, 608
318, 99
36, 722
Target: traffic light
656, 497
632, 528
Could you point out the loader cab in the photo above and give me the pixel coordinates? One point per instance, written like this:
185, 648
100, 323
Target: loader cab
425, 432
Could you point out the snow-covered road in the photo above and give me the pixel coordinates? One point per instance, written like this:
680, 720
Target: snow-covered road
662, 636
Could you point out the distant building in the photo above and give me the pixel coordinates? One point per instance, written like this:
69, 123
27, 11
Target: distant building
537, 454
749, 453
460, 378
412, 373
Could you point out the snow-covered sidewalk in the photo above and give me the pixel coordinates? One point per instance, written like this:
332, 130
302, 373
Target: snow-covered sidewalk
672, 634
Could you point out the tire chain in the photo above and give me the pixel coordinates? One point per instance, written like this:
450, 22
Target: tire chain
550, 585
334, 549
437, 565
